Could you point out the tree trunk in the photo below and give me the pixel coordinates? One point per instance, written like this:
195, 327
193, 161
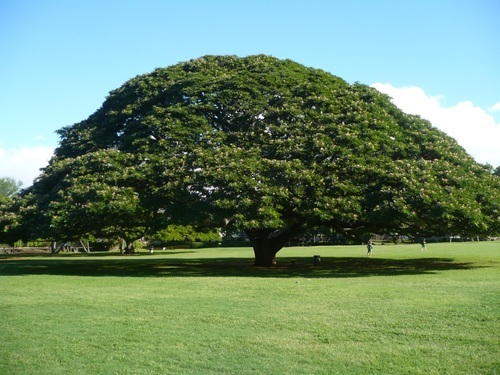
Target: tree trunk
264, 248
128, 246
130, 249
55, 248
267, 242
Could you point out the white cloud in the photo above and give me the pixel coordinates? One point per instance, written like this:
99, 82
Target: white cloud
472, 127
495, 107
24, 163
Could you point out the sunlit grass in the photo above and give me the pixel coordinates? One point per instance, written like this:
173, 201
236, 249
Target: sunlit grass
209, 311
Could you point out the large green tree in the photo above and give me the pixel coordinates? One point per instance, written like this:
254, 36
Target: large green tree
268, 146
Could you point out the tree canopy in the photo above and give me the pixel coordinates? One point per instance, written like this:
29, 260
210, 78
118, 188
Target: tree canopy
266, 145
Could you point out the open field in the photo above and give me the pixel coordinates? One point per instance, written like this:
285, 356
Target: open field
209, 311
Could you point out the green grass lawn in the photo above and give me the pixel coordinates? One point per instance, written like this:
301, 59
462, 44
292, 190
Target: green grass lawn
209, 311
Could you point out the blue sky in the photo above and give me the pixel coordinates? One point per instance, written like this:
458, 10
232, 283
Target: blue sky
60, 59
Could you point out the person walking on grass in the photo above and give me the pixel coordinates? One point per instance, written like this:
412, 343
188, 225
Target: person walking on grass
369, 246
423, 245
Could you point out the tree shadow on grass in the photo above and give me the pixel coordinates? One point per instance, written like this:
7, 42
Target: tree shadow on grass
144, 266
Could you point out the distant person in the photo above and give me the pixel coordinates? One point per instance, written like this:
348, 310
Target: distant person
423, 245
369, 246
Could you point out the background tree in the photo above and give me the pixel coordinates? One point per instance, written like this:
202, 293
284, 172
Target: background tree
9, 186
9, 215
265, 145
185, 234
